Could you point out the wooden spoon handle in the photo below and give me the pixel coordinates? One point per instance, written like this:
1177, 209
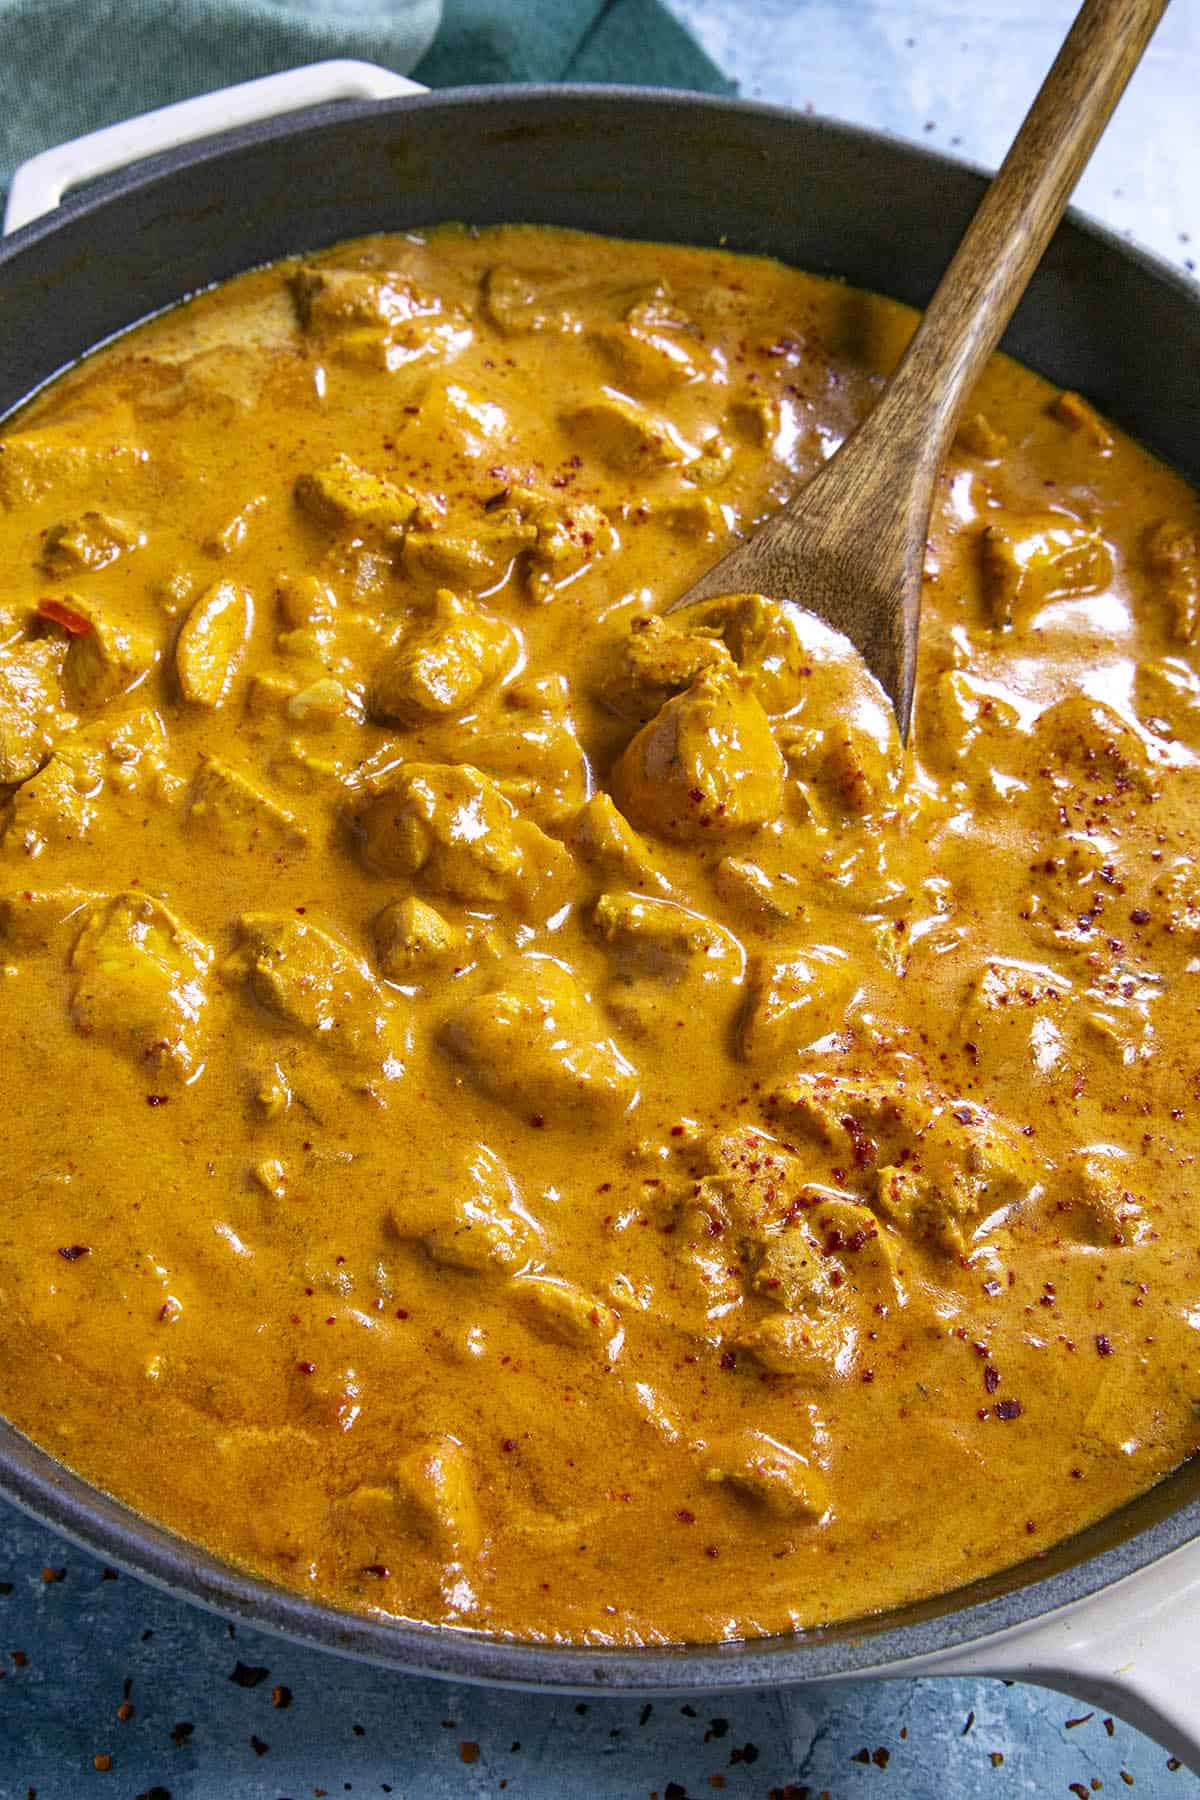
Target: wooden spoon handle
851, 545
1016, 219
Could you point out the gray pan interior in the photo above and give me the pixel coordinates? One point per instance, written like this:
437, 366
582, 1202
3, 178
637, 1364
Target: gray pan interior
1099, 317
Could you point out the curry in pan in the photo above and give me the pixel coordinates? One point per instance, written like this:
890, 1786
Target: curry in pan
531, 1115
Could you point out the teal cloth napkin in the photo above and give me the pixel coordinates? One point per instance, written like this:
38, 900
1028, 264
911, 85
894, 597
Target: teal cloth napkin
70, 66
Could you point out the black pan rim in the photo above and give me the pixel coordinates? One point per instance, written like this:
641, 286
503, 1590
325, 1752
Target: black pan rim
1158, 1523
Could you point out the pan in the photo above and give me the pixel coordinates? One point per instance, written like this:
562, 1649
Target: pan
221, 184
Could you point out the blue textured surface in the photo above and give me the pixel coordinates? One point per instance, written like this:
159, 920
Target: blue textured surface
956, 77
353, 1729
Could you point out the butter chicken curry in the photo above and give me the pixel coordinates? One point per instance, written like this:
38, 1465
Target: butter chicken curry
527, 1114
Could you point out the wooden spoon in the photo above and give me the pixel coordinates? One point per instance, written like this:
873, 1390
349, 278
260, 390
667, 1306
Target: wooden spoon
851, 545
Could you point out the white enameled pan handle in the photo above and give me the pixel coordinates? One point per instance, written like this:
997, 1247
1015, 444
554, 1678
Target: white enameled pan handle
1132, 1649
39, 184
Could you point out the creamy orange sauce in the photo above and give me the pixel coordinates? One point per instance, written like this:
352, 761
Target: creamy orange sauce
525, 1115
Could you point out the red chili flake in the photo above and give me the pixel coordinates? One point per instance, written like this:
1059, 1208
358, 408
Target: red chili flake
401, 1312
881, 1757
73, 1252
248, 1675
728, 1359
379, 1570
538, 1120
1083, 1719
125, 1711
306, 1368
1103, 1345
469, 1752
1109, 1727
1140, 916
991, 1377
1008, 1409
1077, 1788
59, 613
281, 1697
685, 1517
257, 1745
157, 1099
102, 1762
862, 1756
508, 1444
49, 1576
711, 1551
19, 1658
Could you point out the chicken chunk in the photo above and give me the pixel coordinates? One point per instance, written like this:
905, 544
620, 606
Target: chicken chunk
311, 982
441, 665
1074, 411
1010, 1011
522, 300
655, 348
60, 803
536, 1044
103, 658
438, 1488
665, 961
212, 643
656, 661
381, 318
967, 731
413, 938
970, 1164
238, 815
32, 714
812, 1348
1090, 739
930, 1164
792, 1270
767, 641
471, 553
466, 1210
606, 842
793, 1001
86, 543
537, 763
707, 765
1090, 1199
50, 459
566, 538
1028, 562
351, 503
450, 827
1171, 556
627, 437
32, 922
140, 985
752, 1184
770, 1476
564, 1313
